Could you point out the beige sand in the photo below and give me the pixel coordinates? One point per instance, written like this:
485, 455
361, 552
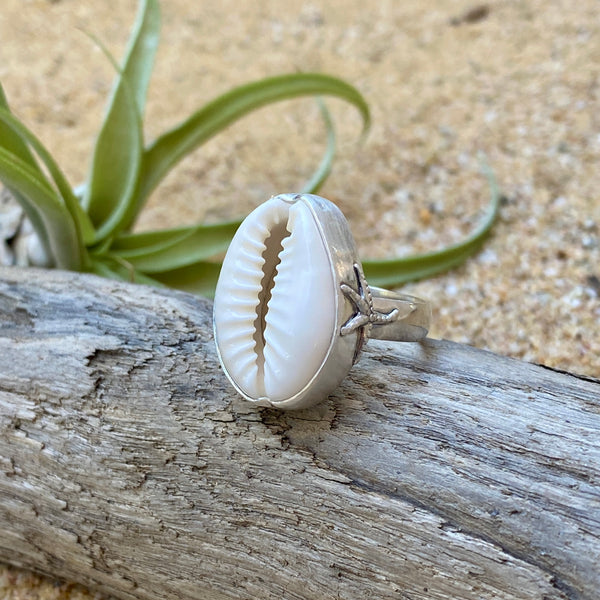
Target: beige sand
520, 83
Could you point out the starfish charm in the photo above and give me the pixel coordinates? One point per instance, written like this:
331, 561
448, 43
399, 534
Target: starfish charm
365, 315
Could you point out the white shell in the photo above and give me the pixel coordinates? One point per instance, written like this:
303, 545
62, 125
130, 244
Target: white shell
274, 349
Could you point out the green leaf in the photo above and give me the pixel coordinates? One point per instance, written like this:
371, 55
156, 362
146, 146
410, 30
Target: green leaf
161, 156
200, 278
139, 244
142, 51
159, 251
118, 153
313, 185
12, 141
83, 225
393, 272
41, 200
114, 269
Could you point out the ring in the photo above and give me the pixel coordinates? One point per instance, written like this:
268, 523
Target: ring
292, 308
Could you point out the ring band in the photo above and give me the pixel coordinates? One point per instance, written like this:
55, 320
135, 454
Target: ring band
411, 328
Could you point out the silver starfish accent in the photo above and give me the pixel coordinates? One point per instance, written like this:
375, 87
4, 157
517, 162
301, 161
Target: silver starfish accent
365, 315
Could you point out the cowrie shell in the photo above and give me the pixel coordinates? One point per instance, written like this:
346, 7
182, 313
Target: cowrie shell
279, 308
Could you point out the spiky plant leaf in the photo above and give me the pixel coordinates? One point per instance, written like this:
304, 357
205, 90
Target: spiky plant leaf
318, 178
163, 154
199, 278
118, 152
83, 225
159, 251
39, 198
12, 142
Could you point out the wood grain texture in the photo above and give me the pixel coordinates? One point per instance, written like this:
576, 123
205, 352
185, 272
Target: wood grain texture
436, 470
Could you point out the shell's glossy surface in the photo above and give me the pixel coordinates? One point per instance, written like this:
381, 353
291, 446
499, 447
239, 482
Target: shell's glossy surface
276, 303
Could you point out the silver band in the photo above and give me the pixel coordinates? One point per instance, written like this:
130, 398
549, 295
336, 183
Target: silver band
412, 321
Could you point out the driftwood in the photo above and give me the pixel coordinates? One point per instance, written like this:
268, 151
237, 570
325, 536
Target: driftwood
435, 471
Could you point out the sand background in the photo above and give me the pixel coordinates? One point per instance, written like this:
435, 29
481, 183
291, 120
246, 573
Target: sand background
517, 79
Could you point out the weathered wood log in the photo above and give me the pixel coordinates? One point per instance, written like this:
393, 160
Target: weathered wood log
435, 471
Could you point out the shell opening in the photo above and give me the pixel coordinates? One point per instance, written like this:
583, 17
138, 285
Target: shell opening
272, 258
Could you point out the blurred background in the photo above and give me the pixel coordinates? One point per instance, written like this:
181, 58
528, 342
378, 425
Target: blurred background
516, 79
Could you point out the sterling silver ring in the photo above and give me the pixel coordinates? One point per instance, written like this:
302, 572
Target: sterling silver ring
292, 307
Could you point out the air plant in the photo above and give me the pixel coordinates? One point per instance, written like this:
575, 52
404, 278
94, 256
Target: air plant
89, 227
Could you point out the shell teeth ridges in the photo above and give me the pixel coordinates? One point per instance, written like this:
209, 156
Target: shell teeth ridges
254, 244
288, 246
245, 306
250, 273
240, 318
232, 333
248, 249
284, 277
276, 308
248, 287
250, 375
273, 348
260, 231
244, 347
277, 312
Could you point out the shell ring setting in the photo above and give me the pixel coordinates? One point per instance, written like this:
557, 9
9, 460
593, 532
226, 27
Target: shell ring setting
293, 309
